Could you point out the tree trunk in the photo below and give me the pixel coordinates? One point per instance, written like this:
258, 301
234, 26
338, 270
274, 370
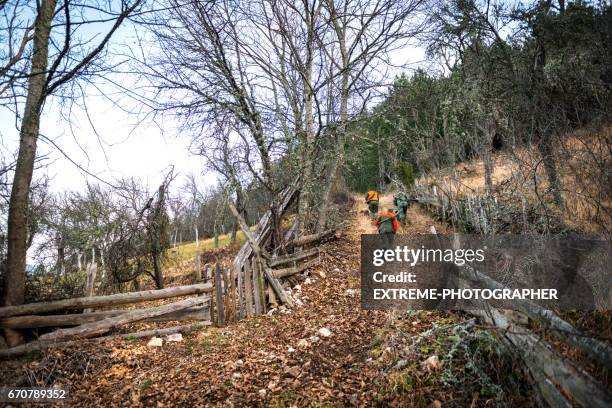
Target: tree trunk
14, 282
335, 171
59, 264
92, 269
157, 233
381, 163
337, 163
216, 239
487, 152
102, 263
487, 159
234, 231
157, 268
309, 136
543, 136
488, 170
550, 166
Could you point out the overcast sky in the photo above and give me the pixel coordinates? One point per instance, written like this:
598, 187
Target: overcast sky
116, 148
119, 149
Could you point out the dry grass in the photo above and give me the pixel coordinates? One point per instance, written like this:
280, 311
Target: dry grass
190, 249
583, 161
181, 261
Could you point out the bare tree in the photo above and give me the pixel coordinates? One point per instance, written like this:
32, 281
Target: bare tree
157, 229
273, 70
467, 37
544, 132
365, 33
16, 37
210, 69
223, 156
48, 74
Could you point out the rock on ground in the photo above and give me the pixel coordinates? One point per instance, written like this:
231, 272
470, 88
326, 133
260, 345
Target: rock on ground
432, 363
324, 332
155, 342
175, 337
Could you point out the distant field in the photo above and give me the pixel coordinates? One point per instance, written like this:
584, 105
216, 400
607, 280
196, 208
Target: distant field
187, 250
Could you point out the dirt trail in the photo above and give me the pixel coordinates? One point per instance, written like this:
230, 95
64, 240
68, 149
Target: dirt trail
418, 221
276, 360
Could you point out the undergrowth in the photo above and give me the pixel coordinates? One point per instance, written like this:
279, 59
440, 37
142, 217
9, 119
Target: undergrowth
473, 368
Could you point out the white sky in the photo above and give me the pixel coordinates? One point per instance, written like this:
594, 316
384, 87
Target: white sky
122, 150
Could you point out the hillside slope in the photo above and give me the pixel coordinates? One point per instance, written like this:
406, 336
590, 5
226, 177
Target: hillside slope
324, 351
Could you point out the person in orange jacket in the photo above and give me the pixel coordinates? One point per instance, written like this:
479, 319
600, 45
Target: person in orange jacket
387, 225
371, 198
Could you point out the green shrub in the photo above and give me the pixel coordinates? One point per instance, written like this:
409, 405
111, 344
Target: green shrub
50, 286
405, 174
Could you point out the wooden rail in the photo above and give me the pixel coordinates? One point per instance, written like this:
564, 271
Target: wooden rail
104, 301
96, 328
44, 345
75, 319
92, 324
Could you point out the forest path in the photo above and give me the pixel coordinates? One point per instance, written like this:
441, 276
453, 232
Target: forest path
418, 220
281, 359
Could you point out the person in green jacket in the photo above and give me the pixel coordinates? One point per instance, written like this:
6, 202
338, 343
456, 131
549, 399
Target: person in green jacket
387, 226
400, 200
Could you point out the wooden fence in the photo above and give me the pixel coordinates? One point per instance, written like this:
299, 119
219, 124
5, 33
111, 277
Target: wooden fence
479, 214
92, 324
249, 287
254, 281
558, 380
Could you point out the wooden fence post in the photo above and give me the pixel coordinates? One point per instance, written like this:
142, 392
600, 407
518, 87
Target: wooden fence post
220, 317
248, 289
227, 295
261, 282
272, 297
256, 287
277, 288
207, 273
240, 292
232, 293
198, 270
